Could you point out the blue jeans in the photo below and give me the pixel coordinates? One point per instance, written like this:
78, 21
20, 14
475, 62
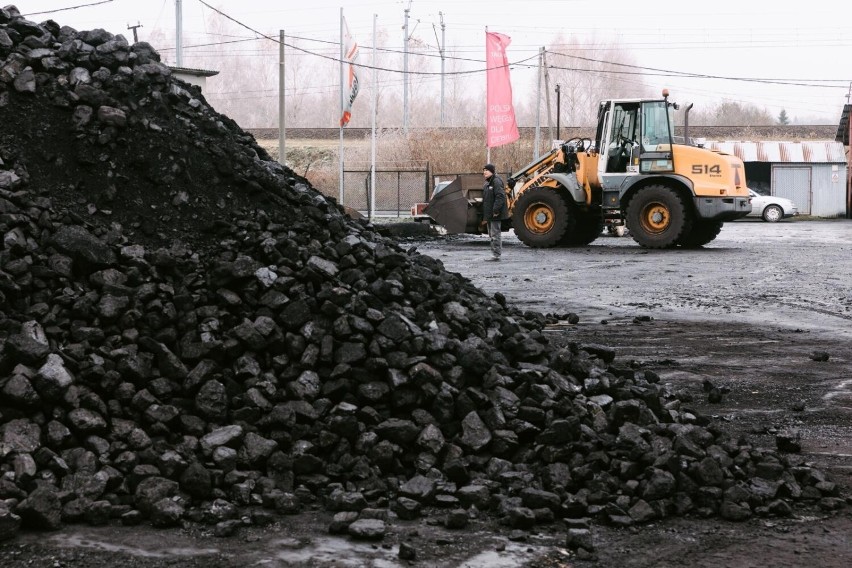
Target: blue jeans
495, 231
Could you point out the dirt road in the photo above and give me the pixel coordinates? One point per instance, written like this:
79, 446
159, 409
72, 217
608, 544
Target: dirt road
748, 314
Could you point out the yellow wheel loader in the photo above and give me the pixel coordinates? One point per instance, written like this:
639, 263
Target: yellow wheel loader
668, 193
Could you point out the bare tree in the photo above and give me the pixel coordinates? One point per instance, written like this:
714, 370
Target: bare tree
464, 102
731, 113
589, 72
246, 88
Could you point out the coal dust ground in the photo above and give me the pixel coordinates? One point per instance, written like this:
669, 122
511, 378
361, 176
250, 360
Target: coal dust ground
748, 314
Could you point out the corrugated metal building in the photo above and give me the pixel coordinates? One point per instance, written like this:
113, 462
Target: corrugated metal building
812, 174
844, 133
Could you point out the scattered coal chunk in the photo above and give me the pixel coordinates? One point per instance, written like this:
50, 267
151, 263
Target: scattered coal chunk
789, 441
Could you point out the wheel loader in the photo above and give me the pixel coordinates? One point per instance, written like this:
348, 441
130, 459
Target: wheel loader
668, 193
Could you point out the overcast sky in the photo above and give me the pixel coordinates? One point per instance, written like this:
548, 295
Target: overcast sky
809, 45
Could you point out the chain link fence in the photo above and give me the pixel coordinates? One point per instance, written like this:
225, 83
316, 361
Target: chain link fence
397, 190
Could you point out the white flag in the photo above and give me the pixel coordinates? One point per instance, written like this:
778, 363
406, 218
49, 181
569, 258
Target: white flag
351, 56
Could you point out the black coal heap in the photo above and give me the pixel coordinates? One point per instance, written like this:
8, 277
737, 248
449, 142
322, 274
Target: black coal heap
189, 331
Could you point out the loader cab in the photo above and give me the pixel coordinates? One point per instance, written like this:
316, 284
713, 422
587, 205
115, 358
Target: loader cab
622, 136
633, 136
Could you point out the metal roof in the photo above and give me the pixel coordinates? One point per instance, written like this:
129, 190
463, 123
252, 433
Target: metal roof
792, 152
195, 72
843, 127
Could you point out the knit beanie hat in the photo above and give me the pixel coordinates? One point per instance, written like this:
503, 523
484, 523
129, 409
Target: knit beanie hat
489, 167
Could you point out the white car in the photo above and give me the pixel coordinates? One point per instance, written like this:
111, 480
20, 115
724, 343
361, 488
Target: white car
771, 208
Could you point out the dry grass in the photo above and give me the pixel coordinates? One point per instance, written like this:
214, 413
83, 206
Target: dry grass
464, 152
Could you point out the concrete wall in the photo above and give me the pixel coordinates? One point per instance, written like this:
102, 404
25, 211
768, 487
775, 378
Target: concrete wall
192, 79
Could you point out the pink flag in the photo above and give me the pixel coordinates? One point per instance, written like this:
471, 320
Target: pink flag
502, 128
351, 56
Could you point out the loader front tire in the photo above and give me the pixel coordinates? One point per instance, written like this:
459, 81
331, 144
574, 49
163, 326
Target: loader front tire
541, 217
658, 217
588, 227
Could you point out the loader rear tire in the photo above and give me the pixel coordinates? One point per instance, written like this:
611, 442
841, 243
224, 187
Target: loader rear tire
703, 231
541, 217
658, 217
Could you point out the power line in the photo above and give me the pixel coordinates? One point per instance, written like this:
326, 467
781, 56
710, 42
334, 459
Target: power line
641, 70
633, 45
337, 59
670, 73
314, 89
214, 43
68, 8
644, 72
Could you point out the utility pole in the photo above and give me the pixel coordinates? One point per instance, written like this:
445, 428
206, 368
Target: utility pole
282, 107
178, 33
547, 97
557, 111
373, 112
536, 152
135, 37
405, 72
340, 152
441, 45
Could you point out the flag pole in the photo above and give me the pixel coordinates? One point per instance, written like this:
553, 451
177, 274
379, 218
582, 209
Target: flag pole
373, 144
340, 151
501, 126
487, 76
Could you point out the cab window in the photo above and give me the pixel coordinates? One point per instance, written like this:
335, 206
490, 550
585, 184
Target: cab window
655, 127
623, 137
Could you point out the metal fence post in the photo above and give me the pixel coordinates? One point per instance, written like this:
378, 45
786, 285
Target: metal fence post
367, 195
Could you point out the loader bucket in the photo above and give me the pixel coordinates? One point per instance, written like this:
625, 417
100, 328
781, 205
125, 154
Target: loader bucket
449, 208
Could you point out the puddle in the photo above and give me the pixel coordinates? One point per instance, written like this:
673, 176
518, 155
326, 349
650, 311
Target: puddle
77, 540
329, 552
513, 556
334, 552
841, 391
326, 551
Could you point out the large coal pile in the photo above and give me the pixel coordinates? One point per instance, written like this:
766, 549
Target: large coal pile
108, 132
190, 332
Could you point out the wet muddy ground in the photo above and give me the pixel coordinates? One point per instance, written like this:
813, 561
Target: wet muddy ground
747, 312
792, 273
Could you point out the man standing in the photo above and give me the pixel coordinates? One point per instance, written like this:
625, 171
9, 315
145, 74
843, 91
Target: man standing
494, 209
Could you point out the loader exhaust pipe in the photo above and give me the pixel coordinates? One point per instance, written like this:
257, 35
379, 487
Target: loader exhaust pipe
686, 124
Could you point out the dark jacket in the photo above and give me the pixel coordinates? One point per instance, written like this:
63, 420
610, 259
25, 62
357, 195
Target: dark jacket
494, 205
